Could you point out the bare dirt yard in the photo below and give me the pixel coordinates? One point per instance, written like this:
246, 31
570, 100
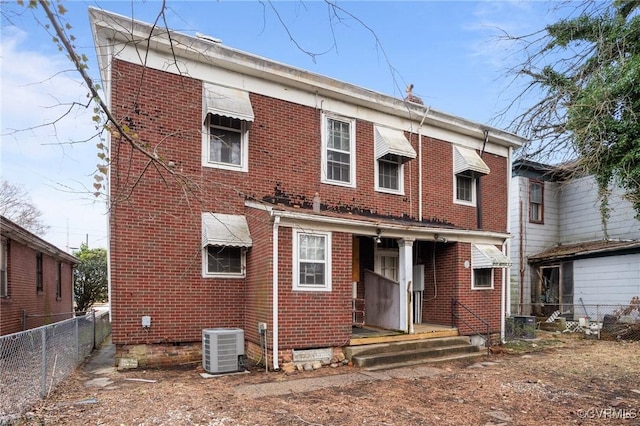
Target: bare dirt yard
558, 379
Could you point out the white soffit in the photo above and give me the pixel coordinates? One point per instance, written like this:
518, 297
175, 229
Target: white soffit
488, 256
227, 102
225, 230
392, 141
467, 160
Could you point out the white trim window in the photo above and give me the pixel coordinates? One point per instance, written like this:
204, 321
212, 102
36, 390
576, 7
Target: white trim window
338, 150
482, 279
389, 174
464, 190
311, 261
224, 261
226, 143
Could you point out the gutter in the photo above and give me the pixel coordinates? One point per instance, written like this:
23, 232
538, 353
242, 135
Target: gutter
420, 164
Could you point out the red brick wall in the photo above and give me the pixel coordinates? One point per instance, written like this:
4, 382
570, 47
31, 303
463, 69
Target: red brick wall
315, 319
41, 307
156, 220
454, 281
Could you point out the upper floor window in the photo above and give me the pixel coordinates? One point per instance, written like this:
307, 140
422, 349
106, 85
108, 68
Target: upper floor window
311, 261
338, 150
392, 150
227, 117
4, 282
467, 167
465, 189
390, 173
227, 142
536, 201
39, 283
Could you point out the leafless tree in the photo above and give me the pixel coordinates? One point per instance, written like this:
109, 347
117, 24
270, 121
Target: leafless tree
16, 205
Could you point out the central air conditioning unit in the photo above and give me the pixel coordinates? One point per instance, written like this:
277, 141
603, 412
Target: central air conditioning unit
222, 350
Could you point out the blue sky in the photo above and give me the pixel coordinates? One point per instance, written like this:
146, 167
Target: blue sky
447, 49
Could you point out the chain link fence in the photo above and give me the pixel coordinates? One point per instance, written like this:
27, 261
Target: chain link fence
601, 321
35, 361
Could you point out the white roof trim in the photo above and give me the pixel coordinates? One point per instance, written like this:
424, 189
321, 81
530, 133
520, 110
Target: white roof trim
467, 160
225, 230
391, 141
488, 256
227, 102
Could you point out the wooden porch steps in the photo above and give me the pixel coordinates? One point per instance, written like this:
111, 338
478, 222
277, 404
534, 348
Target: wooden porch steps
412, 352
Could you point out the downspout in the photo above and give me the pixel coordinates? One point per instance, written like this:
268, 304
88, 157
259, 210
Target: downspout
478, 187
276, 222
506, 274
420, 164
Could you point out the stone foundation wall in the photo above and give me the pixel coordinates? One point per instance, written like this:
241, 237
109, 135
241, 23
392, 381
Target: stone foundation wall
158, 355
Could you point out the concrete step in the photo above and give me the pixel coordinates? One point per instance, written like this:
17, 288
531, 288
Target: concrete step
378, 348
435, 360
423, 355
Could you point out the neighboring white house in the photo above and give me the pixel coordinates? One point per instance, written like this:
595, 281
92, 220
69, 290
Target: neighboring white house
564, 256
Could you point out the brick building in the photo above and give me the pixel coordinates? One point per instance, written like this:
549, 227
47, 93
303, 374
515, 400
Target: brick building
36, 280
296, 195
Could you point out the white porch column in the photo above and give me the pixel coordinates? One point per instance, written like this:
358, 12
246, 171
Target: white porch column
405, 275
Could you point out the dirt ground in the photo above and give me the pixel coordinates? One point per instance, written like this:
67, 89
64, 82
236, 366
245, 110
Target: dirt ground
558, 379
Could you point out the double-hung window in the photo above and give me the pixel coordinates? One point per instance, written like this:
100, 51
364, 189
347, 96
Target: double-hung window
391, 150
338, 150
468, 166
311, 261
227, 116
227, 140
536, 201
465, 189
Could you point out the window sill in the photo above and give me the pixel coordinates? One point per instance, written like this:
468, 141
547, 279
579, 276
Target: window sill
482, 288
390, 191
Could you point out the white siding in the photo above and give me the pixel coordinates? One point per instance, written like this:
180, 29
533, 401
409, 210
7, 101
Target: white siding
607, 280
535, 237
580, 214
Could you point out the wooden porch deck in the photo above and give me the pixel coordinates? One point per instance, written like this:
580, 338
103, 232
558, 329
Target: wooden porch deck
368, 335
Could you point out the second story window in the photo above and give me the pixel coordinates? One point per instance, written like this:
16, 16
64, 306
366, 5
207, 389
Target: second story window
389, 172
227, 116
338, 151
465, 189
39, 283
536, 201
391, 150
467, 167
227, 139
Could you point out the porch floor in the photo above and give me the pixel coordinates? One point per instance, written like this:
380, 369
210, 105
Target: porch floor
368, 335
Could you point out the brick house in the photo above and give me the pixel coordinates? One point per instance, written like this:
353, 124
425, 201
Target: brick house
36, 280
298, 196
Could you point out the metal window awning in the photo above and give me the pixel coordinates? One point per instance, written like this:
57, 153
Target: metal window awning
467, 161
230, 230
392, 141
228, 102
488, 256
